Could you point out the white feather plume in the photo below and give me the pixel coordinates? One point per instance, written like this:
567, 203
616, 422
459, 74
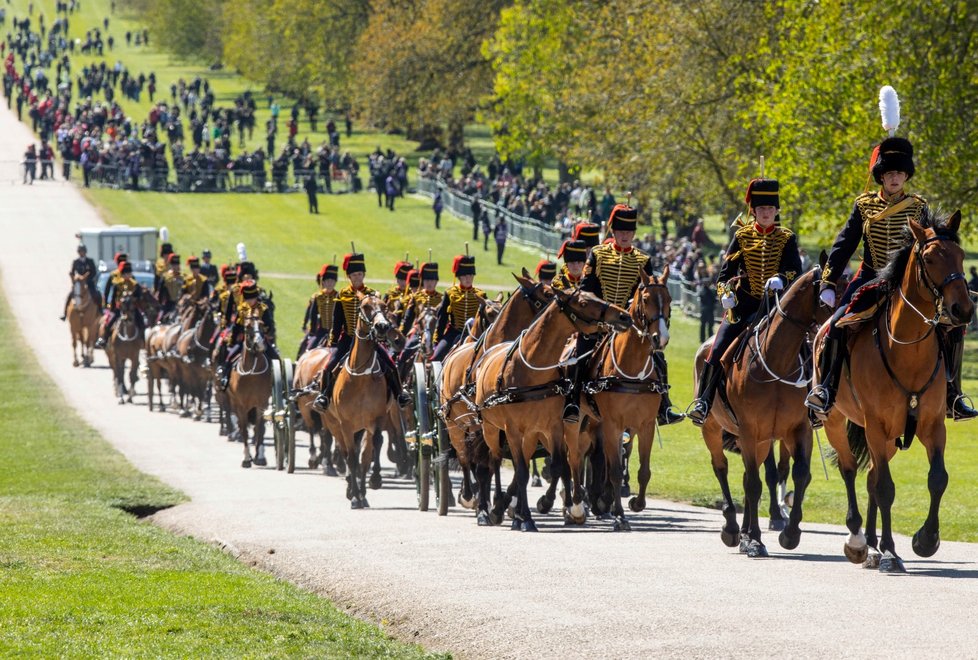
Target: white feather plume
889, 109
164, 234
242, 253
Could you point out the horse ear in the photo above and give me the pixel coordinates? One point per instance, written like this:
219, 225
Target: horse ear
919, 232
526, 273
644, 277
954, 222
823, 259
524, 279
665, 273
499, 297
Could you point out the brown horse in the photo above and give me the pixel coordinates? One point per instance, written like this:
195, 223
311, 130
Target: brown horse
894, 386
625, 389
193, 361
124, 346
764, 400
249, 389
360, 400
83, 320
457, 389
305, 380
520, 389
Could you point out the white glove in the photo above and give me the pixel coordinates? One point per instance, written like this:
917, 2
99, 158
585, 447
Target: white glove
728, 301
775, 284
827, 297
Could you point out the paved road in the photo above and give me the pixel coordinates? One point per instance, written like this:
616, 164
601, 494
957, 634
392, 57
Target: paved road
668, 589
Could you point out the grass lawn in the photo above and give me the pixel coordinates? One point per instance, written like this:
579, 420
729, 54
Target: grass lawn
80, 577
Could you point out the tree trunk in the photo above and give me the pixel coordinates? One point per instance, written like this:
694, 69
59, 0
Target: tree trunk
456, 136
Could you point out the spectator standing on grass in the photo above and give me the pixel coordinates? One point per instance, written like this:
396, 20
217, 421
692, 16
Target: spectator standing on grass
708, 300
500, 232
390, 189
476, 216
486, 230
310, 186
30, 164
349, 126
437, 207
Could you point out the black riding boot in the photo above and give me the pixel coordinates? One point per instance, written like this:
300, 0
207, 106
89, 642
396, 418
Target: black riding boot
322, 400
106, 333
667, 414
822, 396
394, 383
572, 412
223, 372
958, 407
64, 313
700, 408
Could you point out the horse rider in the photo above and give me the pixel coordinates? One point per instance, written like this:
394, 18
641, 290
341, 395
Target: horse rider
459, 305
244, 272
400, 291
250, 309
588, 232
171, 287
162, 265
574, 254
878, 220
115, 275
612, 273
319, 314
83, 265
546, 271
342, 333
427, 298
762, 259
195, 284
126, 285
207, 269
229, 277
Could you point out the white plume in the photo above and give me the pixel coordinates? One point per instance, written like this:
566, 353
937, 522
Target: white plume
164, 234
242, 253
889, 109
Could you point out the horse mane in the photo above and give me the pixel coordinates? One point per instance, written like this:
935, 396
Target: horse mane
896, 266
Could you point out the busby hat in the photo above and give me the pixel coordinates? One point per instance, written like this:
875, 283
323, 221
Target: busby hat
193, 262
230, 276
249, 289
546, 269
125, 267
82, 248
429, 270
894, 154
588, 232
120, 257
572, 251
174, 258
762, 192
206, 253
165, 249
622, 218
463, 264
246, 268
328, 272
354, 263
413, 278
401, 269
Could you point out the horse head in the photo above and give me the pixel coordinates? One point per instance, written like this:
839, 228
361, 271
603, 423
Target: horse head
254, 337
591, 314
651, 308
536, 294
939, 260
374, 324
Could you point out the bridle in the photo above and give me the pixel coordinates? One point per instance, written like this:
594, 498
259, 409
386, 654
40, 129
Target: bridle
377, 318
936, 291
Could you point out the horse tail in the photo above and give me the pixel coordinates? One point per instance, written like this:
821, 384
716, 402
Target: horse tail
730, 442
858, 444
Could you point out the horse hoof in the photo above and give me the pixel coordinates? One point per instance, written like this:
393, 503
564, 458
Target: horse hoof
872, 559
376, 481
756, 550
75, 363
744, 543
924, 544
515, 526
625, 491
511, 513
482, 519
466, 503
495, 518
246, 464
330, 471
855, 555
890, 563
528, 526
776, 524
730, 539
577, 521
313, 463
544, 504
621, 525
605, 516
536, 483
789, 541
184, 414
355, 504
636, 505
364, 503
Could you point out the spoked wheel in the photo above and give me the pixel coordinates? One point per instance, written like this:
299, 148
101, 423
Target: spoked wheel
423, 437
440, 442
274, 414
290, 416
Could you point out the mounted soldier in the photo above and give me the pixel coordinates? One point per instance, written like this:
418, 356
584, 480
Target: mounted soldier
878, 221
574, 253
459, 305
83, 266
346, 313
195, 284
398, 295
546, 271
114, 276
250, 310
589, 233
761, 260
319, 313
125, 286
171, 287
612, 273
162, 264
428, 298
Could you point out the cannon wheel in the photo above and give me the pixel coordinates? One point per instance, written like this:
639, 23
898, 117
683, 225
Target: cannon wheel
440, 441
422, 437
290, 414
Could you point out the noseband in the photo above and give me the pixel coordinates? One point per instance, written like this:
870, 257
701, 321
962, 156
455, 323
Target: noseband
565, 307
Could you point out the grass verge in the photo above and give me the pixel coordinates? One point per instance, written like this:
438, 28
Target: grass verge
80, 577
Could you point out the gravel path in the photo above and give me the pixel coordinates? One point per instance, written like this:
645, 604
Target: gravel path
668, 589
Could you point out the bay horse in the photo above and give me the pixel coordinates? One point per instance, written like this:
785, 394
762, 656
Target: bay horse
622, 393
766, 376
894, 386
123, 346
305, 379
520, 389
360, 401
83, 319
457, 389
192, 360
249, 389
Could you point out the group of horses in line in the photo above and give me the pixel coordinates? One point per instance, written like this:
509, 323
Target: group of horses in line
503, 388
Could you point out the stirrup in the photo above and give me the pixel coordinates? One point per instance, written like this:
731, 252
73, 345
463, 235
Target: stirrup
819, 401
571, 414
100, 342
698, 411
320, 403
669, 415
961, 409
403, 400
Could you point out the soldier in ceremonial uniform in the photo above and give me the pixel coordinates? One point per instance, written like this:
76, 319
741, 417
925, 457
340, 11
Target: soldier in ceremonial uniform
612, 273
341, 336
83, 265
126, 285
546, 271
115, 275
207, 269
878, 220
171, 287
319, 313
398, 295
427, 298
195, 284
244, 272
588, 232
574, 254
459, 304
762, 258
162, 265
251, 308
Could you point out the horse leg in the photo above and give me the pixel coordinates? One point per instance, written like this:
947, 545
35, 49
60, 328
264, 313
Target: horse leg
645, 435
465, 495
242, 423
133, 376
885, 495
376, 480
368, 446
483, 481
546, 501
928, 538
611, 437
753, 490
537, 482
776, 521
599, 477
624, 456
801, 474
259, 435
522, 520
74, 349
873, 560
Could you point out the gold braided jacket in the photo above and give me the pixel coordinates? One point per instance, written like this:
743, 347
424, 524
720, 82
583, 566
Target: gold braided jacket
761, 255
325, 304
617, 272
463, 304
350, 304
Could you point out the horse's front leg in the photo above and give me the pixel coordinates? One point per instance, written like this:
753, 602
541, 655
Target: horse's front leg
133, 376
522, 519
241, 417
776, 521
611, 434
74, 349
377, 443
801, 474
890, 562
872, 507
713, 438
752, 492
928, 538
367, 445
259, 435
646, 435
